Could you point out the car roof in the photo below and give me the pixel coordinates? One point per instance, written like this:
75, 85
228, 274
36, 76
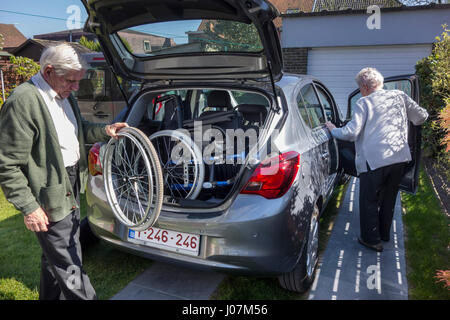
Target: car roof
292, 79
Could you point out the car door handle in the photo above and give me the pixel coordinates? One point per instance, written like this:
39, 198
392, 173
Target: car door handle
101, 114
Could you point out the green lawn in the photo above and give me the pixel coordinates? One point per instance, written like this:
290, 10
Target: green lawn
19, 256
109, 270
427, 242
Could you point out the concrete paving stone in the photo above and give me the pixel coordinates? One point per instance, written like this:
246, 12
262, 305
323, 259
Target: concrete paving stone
171, 282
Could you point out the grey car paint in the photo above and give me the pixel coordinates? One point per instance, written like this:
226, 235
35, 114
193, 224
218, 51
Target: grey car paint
246, 233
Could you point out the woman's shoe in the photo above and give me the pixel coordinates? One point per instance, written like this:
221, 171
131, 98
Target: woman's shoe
377, 247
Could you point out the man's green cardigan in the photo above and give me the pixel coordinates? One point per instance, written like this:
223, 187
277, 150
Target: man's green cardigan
32, 172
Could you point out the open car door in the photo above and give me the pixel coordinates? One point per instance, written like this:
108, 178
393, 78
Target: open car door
410, 85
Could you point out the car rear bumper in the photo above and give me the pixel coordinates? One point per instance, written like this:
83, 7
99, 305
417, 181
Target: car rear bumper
253, 235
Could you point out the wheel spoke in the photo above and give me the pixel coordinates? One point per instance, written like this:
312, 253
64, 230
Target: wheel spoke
133, 179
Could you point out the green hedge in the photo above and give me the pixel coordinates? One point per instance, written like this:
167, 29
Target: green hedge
434, 77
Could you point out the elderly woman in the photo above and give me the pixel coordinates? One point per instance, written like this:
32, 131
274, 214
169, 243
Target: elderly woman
379, 127
43, 167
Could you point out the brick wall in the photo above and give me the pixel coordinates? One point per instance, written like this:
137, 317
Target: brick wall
295, 60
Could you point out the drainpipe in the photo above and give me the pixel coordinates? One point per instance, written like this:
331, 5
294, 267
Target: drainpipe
3, 85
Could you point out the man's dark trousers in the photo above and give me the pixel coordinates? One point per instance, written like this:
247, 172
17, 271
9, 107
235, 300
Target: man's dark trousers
377, 196
62, 274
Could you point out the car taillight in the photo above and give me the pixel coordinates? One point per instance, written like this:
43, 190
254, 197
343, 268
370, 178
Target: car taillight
95, 166
273, 177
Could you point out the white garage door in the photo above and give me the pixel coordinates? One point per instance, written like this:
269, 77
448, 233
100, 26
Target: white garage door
337, 67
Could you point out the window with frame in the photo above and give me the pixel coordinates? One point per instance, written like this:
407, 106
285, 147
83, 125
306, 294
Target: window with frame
327, 103
159, 108
147, 46
92, 86
302, 109
312, 106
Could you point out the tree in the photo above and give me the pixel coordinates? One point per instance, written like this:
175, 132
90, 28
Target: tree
20, 70
441, 82
434, 75
91, 45
225, 35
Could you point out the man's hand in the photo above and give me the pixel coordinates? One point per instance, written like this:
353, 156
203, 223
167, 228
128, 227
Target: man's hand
329, 125
36, 221
113, 129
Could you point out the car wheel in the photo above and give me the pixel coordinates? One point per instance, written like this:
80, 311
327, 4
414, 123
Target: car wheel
302, 276
133, 179
181, 162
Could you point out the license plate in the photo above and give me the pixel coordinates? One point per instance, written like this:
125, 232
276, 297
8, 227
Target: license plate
166, 239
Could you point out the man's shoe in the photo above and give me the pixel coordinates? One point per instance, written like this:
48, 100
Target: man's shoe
377, 247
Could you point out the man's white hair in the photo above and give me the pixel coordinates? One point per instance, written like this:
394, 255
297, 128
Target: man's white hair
63, 58
370, 78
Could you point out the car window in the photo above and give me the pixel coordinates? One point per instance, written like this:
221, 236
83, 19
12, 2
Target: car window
403, 85
199, 102
302, 109
327, 103
92, 86
192, 36
202, 100
159, 107
243, 97
129, 87
313, 106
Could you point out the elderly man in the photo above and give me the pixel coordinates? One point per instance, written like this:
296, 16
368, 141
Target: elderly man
43, 167
379, 127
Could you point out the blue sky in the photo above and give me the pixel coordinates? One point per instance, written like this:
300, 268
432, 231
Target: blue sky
33, 17
31, 25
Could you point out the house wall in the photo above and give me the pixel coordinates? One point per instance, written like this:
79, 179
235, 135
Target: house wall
136, 41
30, 51
76, 36
333, 47
397, 27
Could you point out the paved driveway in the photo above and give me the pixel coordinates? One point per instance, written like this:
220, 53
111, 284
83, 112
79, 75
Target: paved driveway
349, 271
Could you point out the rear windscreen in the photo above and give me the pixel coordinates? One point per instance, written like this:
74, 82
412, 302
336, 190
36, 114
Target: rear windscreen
191, 36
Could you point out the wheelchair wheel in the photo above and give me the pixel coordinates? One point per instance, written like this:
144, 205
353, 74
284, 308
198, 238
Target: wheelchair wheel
133, 179
181, 162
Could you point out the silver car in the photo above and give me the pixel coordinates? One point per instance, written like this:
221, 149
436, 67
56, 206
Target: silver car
228, 164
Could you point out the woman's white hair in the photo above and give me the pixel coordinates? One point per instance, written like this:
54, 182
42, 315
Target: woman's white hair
370, 78
63, 58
